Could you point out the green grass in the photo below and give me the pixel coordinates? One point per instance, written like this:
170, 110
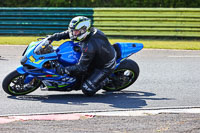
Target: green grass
154, 44
21, 40
165, 44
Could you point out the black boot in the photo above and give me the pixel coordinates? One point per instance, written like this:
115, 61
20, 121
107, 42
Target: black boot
103, 83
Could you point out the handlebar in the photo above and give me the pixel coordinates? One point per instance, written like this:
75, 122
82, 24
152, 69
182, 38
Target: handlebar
40, 39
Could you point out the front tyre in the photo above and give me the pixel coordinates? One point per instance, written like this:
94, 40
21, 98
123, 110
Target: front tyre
14, 85
124, 76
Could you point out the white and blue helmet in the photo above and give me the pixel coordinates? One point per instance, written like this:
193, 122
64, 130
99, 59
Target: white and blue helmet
79, 28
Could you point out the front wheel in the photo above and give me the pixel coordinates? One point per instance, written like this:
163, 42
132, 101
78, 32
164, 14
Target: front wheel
124, 76
14, 85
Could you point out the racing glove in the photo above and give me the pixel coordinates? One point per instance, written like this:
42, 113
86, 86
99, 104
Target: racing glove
62, 70
47, 42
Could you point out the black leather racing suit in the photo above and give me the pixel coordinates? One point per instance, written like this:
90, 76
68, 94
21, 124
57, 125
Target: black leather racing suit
97, 54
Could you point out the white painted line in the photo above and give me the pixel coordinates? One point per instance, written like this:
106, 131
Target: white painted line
144, 112
186, 56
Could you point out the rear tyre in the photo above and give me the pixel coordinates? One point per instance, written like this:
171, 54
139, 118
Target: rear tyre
13, 84
124, 76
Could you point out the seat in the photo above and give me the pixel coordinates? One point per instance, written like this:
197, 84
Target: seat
118, 50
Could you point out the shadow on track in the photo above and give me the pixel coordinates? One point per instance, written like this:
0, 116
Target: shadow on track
122, 99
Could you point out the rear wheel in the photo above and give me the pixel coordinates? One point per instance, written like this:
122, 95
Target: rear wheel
13, 84
124, 76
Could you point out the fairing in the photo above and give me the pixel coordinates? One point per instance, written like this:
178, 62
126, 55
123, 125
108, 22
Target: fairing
128, 49
67, 54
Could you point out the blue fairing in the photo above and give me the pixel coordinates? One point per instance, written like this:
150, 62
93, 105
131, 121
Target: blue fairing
21, 70
128, 49
66, 54
39, 59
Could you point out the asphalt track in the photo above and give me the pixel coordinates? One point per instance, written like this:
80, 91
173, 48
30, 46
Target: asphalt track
168, 79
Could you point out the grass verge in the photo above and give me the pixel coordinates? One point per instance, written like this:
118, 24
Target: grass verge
154, 44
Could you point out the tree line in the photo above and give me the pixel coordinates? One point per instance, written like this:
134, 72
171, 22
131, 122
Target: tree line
101, 3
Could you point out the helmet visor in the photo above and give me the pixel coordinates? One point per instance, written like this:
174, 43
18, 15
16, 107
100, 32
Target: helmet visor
75, 33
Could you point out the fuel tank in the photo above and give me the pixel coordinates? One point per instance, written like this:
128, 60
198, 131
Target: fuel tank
68, 53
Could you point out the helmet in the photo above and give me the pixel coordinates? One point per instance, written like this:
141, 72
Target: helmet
79, 28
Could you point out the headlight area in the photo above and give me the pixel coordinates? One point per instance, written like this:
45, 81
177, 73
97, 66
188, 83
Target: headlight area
23, 60
29, 67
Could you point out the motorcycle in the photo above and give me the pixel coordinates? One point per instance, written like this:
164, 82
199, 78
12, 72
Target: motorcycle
38, 68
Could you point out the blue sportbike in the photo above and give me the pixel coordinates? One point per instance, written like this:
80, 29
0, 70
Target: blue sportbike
39, 61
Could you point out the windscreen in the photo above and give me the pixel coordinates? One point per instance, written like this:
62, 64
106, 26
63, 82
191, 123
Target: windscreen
43, 48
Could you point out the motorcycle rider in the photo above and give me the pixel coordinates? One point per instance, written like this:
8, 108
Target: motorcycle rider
97, 55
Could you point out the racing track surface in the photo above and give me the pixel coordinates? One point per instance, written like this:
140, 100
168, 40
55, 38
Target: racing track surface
168, 78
